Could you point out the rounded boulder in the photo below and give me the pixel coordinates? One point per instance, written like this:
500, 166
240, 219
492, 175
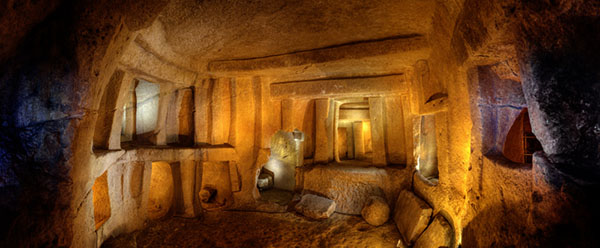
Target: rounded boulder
376, 211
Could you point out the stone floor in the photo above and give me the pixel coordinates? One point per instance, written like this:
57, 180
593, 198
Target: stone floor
281, 197
256, 229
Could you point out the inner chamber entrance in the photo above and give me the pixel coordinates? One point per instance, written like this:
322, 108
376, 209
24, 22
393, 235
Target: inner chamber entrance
354, 132
277, 178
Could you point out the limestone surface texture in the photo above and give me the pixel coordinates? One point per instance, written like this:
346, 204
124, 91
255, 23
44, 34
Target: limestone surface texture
438, 234
315, 207
228, 229
98, 91
376, 211
350, 186
411, 215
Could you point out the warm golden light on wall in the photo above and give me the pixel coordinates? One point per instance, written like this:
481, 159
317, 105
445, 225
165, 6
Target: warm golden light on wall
101, 200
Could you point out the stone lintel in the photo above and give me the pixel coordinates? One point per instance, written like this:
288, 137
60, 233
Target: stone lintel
341, 87
407, 50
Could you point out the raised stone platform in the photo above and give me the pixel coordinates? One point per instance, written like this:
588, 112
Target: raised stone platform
350, 186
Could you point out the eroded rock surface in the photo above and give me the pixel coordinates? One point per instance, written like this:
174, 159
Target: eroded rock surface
315, 207
351, 186
231, 229
438, 234
411, 215
376, 211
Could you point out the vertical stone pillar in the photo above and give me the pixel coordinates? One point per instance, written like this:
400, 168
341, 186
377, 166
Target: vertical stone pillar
166, 93
394, 130
377, 133
107, 133
350, 140
330, 125
185, 116
221, 111
342, 142
321, 131
408, 131
202, 111
197, 187
129, 108
270, 114
147, 177
359, 140
114, 140
188, 183
177, 206
299, 142
308, 127
234, 176
245, 122
172, 122
334, 139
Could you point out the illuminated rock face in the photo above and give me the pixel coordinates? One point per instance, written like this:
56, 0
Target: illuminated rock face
438, 234
411, 215
376, 211
282, 162
414, 96
161, 190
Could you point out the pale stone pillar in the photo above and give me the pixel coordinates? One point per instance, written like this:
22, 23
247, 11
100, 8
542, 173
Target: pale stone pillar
321, 131
334, 138
172, 121
188, 183
408, 131
359, 141
299, 141
377, 133
114, 141
129, 108
166, 93
185, 116
107, 133
394, 130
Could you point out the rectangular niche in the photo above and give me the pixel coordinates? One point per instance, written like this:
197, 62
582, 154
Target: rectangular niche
161, 193
180, 118
353, 139
101, 200
140, 113
147, 100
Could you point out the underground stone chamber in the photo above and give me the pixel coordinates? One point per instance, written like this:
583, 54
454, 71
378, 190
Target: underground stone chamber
182, 123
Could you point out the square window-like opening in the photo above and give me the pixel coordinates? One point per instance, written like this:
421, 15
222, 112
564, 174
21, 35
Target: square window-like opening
140, 113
